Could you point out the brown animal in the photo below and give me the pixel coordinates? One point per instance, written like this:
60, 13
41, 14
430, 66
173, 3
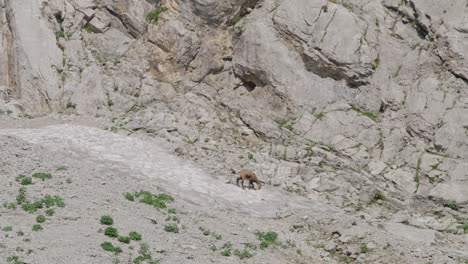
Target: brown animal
248, 175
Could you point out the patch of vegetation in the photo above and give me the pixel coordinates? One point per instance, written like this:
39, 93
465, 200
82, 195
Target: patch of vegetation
216, 236
23, 180
171, 228
71, 105
452, 205
134, 236
40, 219
236, 19
171, 211
251, 246
319, 116
62, 168
42, 176
37, 227
250, 156
289, 127
376, 63
269, 238
14, 260
123, 239
226, 253
379, 196
107, 246
145, 255
106, 220
158, 201
227, 245
129, 197
69, 180
364, 249
367, 114
213, 248
153, 16
111, 232
7, 228
88, 28
50, 212
243, 254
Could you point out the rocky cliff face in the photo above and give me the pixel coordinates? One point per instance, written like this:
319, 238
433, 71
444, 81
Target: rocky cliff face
337, 100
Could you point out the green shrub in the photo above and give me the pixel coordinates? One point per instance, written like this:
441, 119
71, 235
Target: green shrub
7, 228
23, 180
134, 236
226, 253
123, 239
42, 176
50, 212
243, 254
129, 197
106, 220
40, 219
153, 16
452, 205
111, 232
107, 246
37, 228
171, 228
269, 238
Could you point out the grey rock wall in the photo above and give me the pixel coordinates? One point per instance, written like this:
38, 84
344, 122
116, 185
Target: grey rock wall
333, 100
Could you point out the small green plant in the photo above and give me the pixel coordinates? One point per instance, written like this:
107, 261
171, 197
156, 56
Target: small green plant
14, 260
129, 197
171, 228
62, 168
134, 236
376, 63
251, 246
236, 19
107, 246
158, 201
379, 196
319, 116
153, 16
69, 180
23, 180
40, 219
88, 28
227, 245
111, 232
145, 255
71, 105
364, 249
106, 220
37, 227
269, 238
137, 94
42, 176
243, 254
289, 127
171, 211
250, 156
452, 205
206, 232
366, 114
7, 228
50, 212
217, 236
226, 253
123, 239
213, 248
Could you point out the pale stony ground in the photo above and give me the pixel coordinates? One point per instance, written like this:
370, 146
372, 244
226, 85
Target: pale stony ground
102, 166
